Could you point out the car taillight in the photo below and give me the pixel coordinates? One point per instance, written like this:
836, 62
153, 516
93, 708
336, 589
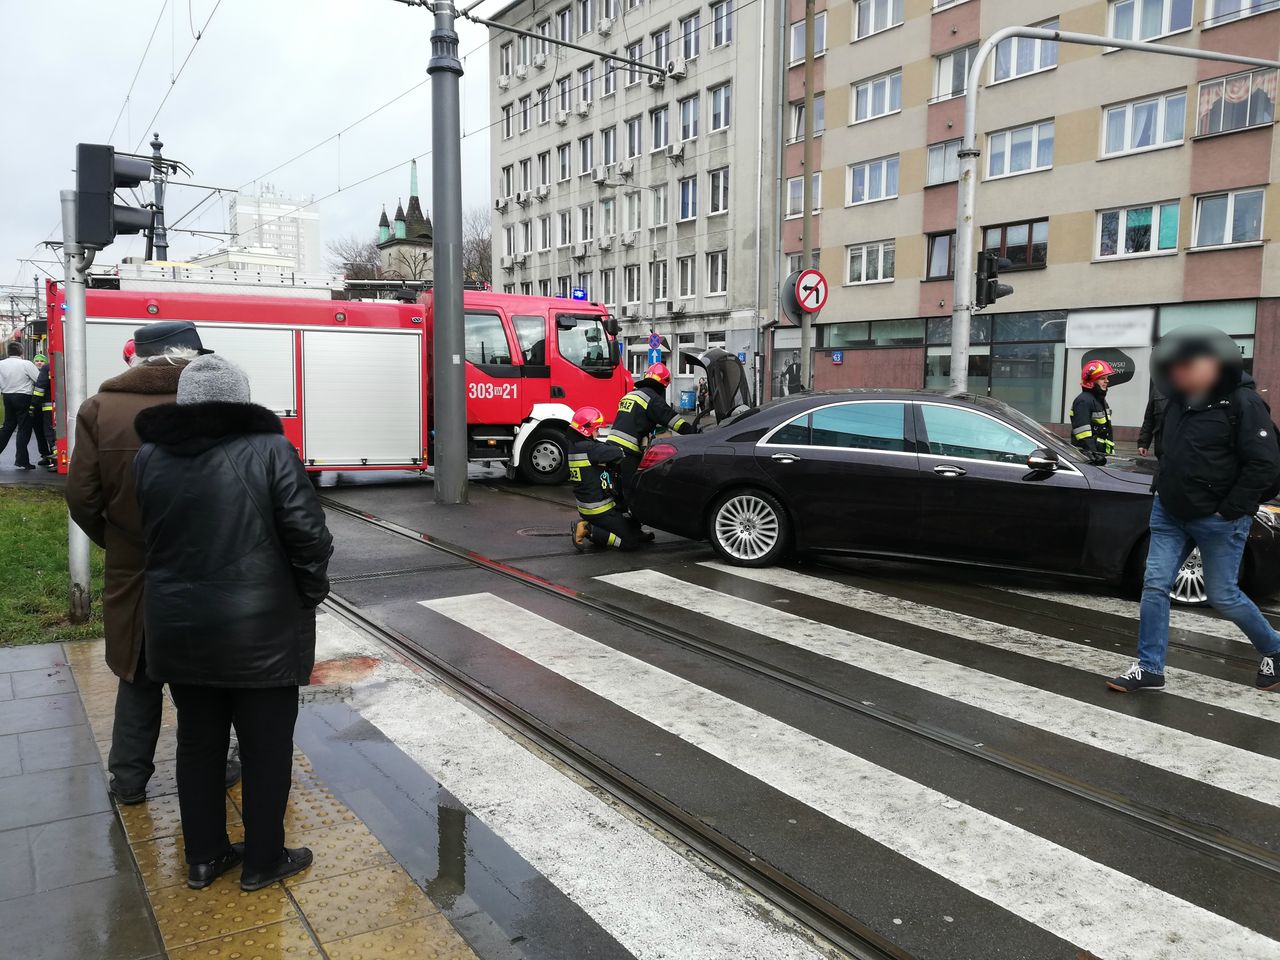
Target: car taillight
656, 454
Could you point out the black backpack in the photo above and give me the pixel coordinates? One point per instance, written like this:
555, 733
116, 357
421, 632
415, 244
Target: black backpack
1274, 490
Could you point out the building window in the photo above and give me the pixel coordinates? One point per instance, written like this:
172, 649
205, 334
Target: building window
661, 40
939, 4
1024, 245
941, 257
658, 126
717, 273
544, 287
508, 180
1021, 56
586, 153
721, 22
586, 21
660, 205
544, 232
505, 60
690, 36
1021, 150
1138, 231
584, 282
1224, 11
943, 163
564, 24
562, 286
688, 197
1148, 19
1236, 102
631, 282
507, 125
608, 217
586, 84
564, 156
1146, 124
1226, 218
689, 110
635, 53
877, 97
872, 16
608, 145
508, 240
526, 174
635, 137
526, 104
718, 182
544, 31
608, 288
544, 104
795, 195
819, 38
687, 277
658, 272
633, 210
870, 262
565, 90
522, 51
526, 235
544, 167
610, 82
526, 288
721, 106
819, 117
565, 236
951, 72
872, 181
587, 222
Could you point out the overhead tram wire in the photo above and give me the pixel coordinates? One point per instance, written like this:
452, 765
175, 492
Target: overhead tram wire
136, 73
178, 75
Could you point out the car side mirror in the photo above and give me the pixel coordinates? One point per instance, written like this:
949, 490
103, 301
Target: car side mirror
1042, 461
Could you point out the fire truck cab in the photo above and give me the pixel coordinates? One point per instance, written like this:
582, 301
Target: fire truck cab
351, 380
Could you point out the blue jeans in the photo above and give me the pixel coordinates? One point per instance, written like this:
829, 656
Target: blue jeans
1221, 544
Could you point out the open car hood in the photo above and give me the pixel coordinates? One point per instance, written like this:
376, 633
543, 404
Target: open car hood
728, 386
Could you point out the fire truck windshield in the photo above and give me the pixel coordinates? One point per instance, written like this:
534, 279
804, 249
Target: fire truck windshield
582, 341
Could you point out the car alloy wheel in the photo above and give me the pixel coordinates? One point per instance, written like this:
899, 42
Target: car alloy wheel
747, 527
1188, 585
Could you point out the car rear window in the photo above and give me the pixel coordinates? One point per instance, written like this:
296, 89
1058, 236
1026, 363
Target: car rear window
852, 426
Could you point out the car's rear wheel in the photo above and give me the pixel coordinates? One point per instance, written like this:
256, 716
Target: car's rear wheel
749, 528
544, 459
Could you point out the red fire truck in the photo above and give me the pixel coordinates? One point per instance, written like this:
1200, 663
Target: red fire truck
351, 380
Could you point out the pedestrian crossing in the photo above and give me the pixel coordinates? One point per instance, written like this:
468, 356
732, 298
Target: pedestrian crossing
1062, 883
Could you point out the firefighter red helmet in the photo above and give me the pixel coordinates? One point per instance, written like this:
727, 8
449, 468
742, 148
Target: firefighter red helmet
1094, 371
129, 351
659, 372
587, 421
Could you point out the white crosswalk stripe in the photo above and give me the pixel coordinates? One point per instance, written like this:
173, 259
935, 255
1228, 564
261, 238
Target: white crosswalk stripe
1218, 764
1079, 656
1084, 902
1178, 619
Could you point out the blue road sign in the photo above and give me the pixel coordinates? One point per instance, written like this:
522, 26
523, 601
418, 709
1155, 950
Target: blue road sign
655, 356
655, 342
742, 356
579, 293
837, 356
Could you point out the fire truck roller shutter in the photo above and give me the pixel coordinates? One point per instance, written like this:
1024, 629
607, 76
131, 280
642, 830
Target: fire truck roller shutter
264, 353
362, 397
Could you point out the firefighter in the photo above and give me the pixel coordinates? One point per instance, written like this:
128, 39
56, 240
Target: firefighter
1090, 414
641, 413
591, 465
42, 413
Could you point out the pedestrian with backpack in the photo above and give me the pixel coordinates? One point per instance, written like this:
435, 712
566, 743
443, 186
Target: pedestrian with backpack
1219, 460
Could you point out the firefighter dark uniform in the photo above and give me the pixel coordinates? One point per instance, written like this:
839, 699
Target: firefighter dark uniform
42, 414
641, 413
591, 464
1091, 415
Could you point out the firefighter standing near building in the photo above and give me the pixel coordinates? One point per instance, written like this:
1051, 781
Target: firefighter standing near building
591, 465
641, 413
1090, 414
42, 413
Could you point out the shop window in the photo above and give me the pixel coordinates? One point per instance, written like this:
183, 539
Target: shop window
1038, 325
837, 335
893, 333
1236, 102
979, 329
1024, 245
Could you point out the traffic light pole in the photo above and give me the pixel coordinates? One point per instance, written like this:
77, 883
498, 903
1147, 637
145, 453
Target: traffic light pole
449, 392
966, 205
76, 261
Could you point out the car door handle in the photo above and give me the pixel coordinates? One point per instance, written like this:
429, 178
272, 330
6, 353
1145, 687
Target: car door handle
948, 470
785, 457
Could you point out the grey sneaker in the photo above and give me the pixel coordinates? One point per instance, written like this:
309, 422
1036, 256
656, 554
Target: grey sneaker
1135, 678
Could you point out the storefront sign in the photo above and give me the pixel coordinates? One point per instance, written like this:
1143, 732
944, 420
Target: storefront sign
1110, 328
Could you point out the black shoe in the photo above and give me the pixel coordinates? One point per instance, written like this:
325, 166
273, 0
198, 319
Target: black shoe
126, 798
44, 461
292, 860
1269, 673
648, 536
200, 875
25, 466
233, 773
1135, 678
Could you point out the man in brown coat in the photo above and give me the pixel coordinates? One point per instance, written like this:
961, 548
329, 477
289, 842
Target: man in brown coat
100, 497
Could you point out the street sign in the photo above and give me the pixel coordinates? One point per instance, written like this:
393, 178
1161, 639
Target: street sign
742, 356
655, 355
579, 293
655, 342
811, 291
837, 356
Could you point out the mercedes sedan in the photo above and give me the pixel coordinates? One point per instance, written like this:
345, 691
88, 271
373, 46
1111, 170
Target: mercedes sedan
914, 475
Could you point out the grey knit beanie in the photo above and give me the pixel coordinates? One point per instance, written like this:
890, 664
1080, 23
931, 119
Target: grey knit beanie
212, 379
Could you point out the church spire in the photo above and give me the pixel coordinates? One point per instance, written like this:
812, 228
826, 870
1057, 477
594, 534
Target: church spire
413, 179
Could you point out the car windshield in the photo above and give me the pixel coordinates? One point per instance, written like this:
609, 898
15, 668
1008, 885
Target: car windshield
1040, 434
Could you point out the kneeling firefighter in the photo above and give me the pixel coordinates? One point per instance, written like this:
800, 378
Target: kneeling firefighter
591, 465
641, 413
1090, 414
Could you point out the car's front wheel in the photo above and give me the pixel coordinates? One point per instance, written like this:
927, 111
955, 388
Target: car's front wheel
749, 528
1188, 585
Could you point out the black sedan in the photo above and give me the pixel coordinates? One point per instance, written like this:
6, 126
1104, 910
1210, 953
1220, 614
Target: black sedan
913, 475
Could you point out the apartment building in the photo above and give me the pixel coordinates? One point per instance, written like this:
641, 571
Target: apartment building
1132, 192
269, 220
652, 195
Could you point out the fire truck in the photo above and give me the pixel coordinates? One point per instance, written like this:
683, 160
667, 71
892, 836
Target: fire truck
351, 380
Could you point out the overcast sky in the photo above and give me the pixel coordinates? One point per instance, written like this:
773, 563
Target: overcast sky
268, 79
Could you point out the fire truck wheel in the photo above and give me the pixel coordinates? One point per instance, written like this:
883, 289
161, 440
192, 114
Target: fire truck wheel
545, 459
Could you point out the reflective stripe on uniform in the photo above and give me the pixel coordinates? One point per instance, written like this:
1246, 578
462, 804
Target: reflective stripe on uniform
1102, 419
637, 397
1080, 433
579, 460
597, 507
676, 422
623, 440
615, 540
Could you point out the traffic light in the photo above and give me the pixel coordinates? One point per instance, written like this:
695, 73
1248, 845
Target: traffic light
990, 289
99, 172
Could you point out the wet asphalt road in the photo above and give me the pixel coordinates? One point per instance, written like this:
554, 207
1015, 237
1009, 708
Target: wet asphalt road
961, 782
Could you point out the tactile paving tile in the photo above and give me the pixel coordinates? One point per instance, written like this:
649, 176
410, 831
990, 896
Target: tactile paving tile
165, 779
430, 938
162, 861
356, 903
312, 807
159, 817
344, 848
190, 916
279, 941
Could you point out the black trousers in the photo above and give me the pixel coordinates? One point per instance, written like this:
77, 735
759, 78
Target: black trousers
614, 529
135, 731
42, 427
17, 417
264, 719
